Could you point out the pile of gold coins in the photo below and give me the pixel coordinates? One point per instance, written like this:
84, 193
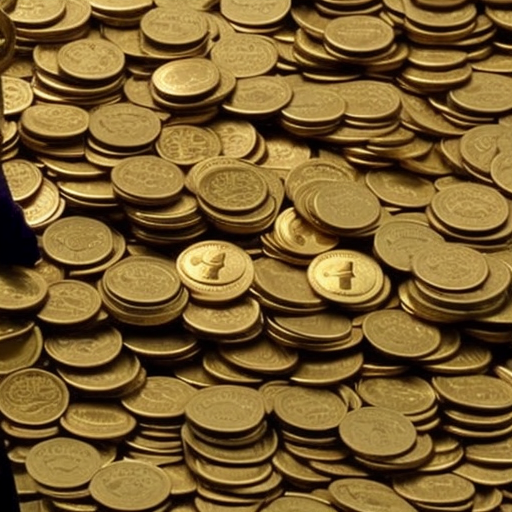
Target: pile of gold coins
276, 256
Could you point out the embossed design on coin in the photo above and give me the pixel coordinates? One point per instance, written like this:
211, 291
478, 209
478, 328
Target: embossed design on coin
63, 462
130, 486
54, 121
33, 397
21, 289
23, 177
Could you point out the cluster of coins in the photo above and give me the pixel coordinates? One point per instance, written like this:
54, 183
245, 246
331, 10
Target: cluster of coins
276, 256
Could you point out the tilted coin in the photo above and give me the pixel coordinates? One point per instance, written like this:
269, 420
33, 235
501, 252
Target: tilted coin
226, 409
23, 177
33, 397
63, 462
377, 432
20, 351
21, 289
129, 486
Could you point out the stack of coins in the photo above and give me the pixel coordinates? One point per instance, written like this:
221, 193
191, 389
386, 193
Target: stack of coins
143, 290
159, 406
215, 271
235, 196
120, 14
54, 130
227, 445
119, 131
48, 463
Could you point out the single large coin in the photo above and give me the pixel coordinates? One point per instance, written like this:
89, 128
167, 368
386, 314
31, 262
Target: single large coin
21, 289
130, 486
377, 432
33, 397
63, 463
226, 409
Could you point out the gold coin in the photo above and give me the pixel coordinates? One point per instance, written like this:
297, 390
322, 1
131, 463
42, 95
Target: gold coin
372, 35
21, 289
142, 280
108, 378
405, 394
86, 349
140, 486
293, 469
12, 328
26, 14
160, 397
21, 351
33, 397
17, 93
44, 207
377, 432
245, 55
440, 489
478, 392
180, 26
485, 93
305, 503
345, 276
91, 60
450, 267
97, 421
70, 302
48, 463
186, 79
396, 333
226, 409
54, 122
309, 410
78, 241
147, 179
358, 494
237, 136
259, 96
255, 14
124, 126
187, 145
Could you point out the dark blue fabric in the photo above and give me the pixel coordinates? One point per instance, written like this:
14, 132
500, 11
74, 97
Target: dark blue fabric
8, 496
18, 244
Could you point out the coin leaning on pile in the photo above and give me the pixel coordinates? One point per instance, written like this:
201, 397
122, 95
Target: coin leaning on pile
276, 265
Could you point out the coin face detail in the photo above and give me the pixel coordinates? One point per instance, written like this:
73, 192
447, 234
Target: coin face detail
226, 408
63, 462
33, 397
23, 177
55, 121
129, 486
377, 432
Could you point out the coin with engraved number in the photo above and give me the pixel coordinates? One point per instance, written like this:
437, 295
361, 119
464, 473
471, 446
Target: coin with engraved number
63, 462
130, 486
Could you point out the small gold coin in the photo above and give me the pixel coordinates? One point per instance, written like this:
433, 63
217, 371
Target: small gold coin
345, 276
130, 486
440, 489
377, 432
93, 347
309, 410
91, 60
25, 13
48, 463
147, 179
23, 177
366, 495
12, 328
21, 351
124, 126
470, 207
78, 241
17, 94
304, 503
450, 267
160, 398
21, 289
255, 13
54, 122
245, 55
399, 334
97, 421
70, 302
186, 79
481, 392
145, 280
226, 409
33, 397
